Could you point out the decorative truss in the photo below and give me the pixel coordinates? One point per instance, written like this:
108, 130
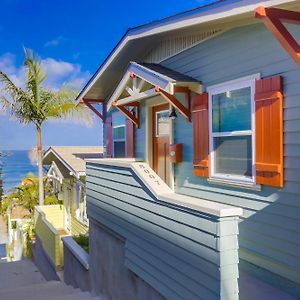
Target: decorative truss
184, 110
90, 102
137, 89
131, 111
273, 19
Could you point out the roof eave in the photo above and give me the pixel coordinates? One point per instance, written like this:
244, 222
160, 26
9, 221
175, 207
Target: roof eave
218, 13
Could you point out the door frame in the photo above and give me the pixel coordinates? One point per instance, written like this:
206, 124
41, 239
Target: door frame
156, 101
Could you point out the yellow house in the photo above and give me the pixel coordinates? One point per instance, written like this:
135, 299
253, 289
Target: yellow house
66, 171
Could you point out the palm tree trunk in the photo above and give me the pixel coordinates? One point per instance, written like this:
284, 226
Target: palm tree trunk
40, 165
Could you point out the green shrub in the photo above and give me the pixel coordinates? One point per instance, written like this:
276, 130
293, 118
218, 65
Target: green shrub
83, 241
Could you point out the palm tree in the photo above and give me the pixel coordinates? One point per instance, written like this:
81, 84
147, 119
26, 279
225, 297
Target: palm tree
36, 104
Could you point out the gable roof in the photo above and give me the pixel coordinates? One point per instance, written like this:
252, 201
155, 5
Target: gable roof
73, 158
138, 40
155, 75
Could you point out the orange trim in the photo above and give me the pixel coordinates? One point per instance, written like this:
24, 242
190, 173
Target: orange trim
273, 19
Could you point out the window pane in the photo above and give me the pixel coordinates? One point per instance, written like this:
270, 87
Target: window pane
232, 110
233, 155
118, 119
163, 123
118, 123
119, 133
119, 149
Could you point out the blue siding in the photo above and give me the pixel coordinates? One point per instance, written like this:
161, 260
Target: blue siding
270, 229
183, 254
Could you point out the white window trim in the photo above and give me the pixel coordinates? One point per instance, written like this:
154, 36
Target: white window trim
118, 140
244, 82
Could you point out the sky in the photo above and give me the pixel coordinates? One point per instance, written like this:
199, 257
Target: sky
72, 38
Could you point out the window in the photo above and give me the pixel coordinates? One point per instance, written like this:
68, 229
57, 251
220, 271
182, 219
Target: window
162, 123
232, 134
118, 123
80, 204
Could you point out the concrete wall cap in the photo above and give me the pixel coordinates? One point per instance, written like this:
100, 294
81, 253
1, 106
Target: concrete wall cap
77, 251
163, 192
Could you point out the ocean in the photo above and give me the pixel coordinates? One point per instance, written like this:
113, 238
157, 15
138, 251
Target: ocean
16, 165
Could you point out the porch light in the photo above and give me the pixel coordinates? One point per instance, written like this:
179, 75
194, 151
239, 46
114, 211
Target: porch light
173, 114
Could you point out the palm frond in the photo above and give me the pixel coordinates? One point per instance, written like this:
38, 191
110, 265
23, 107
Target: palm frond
9, 87
61, 105
35, 77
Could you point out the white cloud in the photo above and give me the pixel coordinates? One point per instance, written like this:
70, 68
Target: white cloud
54, 42
59, 72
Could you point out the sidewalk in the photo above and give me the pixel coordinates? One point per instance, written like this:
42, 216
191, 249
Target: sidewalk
3, 239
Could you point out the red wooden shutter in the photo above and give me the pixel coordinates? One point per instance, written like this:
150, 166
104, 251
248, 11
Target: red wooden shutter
269, 131
109, 137
201, 132
130, 139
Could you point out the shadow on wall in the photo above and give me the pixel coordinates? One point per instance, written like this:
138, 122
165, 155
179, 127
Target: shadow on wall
269, 235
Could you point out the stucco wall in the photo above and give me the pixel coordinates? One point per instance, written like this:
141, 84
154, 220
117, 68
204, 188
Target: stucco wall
109, 275
75, 272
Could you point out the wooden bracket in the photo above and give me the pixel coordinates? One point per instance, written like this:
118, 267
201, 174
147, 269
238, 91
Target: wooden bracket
88, 103
133, 116
184, 110
273, 19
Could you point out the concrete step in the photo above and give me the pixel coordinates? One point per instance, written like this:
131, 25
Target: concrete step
79, 296
38, 291
17, 274
22, 280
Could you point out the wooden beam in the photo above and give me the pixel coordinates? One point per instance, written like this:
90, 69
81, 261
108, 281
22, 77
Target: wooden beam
176, 103
94, 100
273, 18
128, 114
134, 97
88, 102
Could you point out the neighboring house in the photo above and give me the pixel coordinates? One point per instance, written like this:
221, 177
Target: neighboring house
67, 174
66, 171
17, 218
200, 188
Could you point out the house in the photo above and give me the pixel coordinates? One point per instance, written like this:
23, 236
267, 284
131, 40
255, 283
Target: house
198, 194
17, 218
66, 172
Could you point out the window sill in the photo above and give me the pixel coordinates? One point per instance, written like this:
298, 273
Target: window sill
247, 186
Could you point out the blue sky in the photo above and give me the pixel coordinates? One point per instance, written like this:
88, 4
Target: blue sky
72, 39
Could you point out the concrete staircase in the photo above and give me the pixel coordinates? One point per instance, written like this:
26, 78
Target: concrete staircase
22, 280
